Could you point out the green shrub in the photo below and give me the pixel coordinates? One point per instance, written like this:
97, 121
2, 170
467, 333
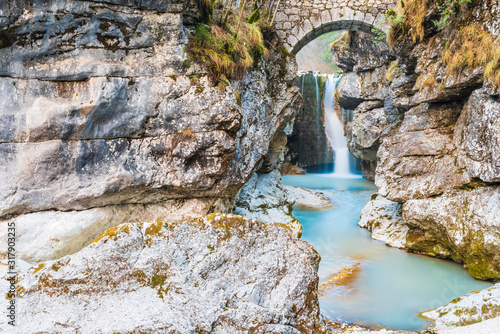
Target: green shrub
225, 52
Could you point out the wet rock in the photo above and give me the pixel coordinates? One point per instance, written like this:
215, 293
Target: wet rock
477, 306
220, 274
264, 198
384, 219
305, 199
460, 224
308, 146
290, 169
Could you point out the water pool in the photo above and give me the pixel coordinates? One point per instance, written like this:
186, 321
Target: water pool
388, 287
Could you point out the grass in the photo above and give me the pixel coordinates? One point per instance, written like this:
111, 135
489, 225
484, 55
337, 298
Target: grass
468, 47
471, 47
227, 46
343, 43
407, 17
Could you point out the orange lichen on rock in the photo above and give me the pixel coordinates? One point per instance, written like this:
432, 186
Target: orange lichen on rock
344, 277
113, 232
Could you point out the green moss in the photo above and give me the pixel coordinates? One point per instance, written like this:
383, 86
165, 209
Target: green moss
227, 49
157, 280
480, 262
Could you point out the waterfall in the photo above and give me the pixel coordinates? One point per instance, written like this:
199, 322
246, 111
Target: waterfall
318, 118
334, 129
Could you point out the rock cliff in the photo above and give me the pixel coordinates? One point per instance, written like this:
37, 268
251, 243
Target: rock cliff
103, 122
432, 135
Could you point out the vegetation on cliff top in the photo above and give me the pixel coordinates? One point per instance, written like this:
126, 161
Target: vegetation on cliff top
469, 45
231, 40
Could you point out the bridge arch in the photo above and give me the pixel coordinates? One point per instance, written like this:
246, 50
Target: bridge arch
300, 21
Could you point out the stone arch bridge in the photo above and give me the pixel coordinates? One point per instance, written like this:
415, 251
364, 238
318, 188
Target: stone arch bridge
300, 21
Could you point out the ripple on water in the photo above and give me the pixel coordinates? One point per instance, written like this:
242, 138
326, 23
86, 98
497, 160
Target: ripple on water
363, 280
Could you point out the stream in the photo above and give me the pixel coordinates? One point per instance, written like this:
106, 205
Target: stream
379, 286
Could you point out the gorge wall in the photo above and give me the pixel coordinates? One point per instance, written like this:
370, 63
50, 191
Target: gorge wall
113, 146
430, 127
103, 122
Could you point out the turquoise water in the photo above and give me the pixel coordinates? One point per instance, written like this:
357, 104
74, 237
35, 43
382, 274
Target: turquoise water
391, 286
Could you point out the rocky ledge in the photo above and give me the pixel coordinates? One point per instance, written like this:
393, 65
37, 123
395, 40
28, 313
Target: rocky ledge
218, 274
475, 307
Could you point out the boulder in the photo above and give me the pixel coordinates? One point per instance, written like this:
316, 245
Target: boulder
384, 219
475, 307
462, 224
264, 198
218, 274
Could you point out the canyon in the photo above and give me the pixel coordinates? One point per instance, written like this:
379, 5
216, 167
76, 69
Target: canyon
147, 196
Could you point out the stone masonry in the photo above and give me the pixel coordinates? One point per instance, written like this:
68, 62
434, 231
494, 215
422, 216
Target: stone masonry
299, 22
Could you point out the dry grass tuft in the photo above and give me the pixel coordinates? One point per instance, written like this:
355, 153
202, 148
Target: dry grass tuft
471, 47
343, 43
393, 67
430, 81
225, 52
407, 17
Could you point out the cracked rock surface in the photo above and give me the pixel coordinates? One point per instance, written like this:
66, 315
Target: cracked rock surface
218, 274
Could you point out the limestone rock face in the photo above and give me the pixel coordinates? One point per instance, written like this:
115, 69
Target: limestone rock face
99, 113
478, 137
355, 88
219, 274
367, 127
461, 224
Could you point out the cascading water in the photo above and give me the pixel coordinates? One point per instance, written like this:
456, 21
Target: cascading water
334, 129
318, 116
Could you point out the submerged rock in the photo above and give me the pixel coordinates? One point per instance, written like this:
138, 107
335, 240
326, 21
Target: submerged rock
305, 199
219, 274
